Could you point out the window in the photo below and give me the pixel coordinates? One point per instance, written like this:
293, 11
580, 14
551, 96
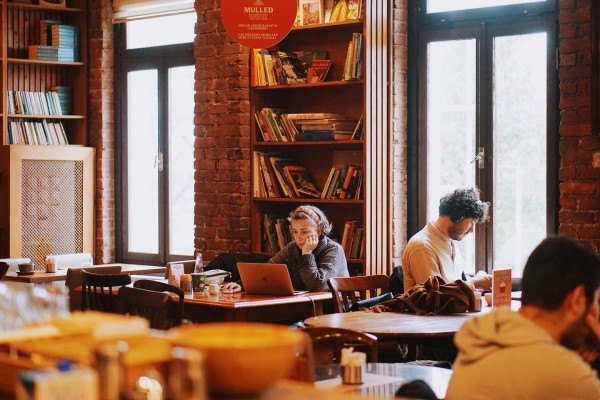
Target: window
486, 110
155, 111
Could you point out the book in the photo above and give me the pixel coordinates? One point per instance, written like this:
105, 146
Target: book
357, 134
300, 181
315, 136
338, 126
318, 71
310, 12
353, 11
501, 287
292, 68
303, 116
339, 11
327, 9
308, 56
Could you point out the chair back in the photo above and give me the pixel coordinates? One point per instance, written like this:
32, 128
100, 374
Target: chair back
74, 280
327, 343
154, 306
97, 291
175, 312
397, 281
349, 290
188, 267
3, 270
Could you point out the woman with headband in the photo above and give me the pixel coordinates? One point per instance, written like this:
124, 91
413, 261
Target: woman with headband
312, 257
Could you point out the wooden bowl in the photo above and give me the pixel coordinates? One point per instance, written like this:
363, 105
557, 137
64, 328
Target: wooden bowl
241, 358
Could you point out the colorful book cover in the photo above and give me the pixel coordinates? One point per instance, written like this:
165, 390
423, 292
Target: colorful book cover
501, 287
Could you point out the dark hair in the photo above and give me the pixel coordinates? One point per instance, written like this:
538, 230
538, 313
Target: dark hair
464, 203
555, 268
314, 214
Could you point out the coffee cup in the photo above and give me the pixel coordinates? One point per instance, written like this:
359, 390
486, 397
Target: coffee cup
214, 288
25, 267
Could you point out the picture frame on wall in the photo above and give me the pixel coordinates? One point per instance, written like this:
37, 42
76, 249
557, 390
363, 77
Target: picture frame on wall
54, 3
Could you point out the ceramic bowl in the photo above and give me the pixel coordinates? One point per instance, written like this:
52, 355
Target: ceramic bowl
25, 267
241, 358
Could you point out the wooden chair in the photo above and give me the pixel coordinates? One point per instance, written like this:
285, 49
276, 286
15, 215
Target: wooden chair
97, 291
3, 270
154, 306
327, 343
347, 291
74, 280
175, 314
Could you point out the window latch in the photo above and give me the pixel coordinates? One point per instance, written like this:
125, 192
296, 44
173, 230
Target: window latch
158, 161
479, 158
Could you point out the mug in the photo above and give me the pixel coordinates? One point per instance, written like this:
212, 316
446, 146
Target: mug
214, 288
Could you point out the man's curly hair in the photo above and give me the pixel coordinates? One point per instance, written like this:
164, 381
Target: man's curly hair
464, 203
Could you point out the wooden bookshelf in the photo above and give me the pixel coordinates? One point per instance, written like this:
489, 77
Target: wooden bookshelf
334, 95
40, 183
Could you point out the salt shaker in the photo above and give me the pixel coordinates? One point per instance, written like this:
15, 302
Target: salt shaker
50, 264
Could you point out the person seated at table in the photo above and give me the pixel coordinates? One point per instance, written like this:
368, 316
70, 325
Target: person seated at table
530, 354
433, 250
312, 257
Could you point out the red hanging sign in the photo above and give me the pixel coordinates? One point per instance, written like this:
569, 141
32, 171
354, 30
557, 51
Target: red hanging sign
258, 23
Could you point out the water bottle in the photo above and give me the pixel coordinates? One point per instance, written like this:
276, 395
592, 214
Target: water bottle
199, 267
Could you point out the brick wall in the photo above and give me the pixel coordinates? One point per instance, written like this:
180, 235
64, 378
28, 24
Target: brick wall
101, 124
579, 147
222, 132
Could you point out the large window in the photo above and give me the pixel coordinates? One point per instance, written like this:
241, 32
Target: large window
486, 118
155, 111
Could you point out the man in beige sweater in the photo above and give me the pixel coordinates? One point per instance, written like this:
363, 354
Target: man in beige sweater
537, 352
433, 250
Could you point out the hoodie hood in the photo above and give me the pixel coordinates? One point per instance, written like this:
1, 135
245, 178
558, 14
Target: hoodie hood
501, 328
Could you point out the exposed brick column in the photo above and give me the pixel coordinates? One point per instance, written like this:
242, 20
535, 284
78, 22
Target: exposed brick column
101, 123
579, 147
400, 117
222, 145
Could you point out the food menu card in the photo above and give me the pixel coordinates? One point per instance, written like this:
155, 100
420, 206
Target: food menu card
501, 287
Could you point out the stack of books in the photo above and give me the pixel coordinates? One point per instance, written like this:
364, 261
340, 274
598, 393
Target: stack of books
65, 98
353, 65
276, 67
66, 38
343, 183
353, 239
276, 176
275, 232
33, 103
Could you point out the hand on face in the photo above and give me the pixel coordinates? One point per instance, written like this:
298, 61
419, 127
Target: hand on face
310, 243
231, 287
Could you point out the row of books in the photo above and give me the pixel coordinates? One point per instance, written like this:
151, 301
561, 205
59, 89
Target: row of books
276, 176
353, 65
275, 232
33, 103
276, 67
36, 133
343, 183
353, 239
276, 125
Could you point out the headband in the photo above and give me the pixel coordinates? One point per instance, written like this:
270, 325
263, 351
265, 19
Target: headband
311, 214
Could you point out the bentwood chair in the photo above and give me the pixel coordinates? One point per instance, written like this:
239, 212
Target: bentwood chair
74, 280
175, 309
348, 291
327, 343
154, 306
97, 291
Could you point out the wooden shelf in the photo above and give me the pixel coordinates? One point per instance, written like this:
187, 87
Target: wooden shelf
36, 7
44, 62
317, 85
355, 23
307, 199
45, 116
329, 143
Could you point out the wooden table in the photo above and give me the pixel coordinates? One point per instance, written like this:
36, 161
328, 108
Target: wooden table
400, 325
382, 382
61, 274
204, 307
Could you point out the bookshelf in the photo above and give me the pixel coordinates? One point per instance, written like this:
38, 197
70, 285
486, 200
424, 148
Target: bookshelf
333, 96
46, 170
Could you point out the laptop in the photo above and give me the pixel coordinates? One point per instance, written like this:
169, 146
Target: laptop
265, 278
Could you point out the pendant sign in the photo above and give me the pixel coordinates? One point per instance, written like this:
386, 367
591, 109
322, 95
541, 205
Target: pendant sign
258, 23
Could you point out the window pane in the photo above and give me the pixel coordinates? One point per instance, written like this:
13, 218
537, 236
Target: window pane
451, 126
181, 160
520, 148
142, 148
434, 6
161, 31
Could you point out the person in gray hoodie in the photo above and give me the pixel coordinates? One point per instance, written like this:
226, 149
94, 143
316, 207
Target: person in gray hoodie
538, 352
